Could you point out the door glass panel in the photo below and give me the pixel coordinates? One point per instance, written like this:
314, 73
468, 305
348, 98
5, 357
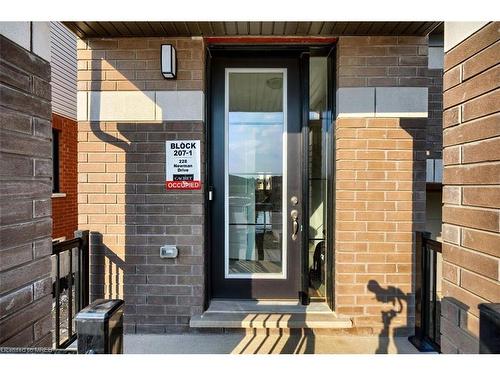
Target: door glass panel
318, 180
255, 125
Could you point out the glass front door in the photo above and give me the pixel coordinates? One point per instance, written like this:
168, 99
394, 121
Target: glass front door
255, 150
257, 224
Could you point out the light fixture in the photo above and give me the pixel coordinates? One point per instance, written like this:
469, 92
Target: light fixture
168, 61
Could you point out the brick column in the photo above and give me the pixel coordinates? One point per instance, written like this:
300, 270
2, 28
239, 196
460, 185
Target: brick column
25, 191
471, 192
380, 179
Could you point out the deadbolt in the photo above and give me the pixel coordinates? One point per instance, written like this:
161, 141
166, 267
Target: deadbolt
294, 200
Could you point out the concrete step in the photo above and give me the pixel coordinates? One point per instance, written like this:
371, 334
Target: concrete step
260, 320
269, 314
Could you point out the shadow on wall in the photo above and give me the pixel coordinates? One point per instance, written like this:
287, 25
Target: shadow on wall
416, 127
393, 314
459, 327
160, 294
127, 174
108, 269
389, 272
394, 297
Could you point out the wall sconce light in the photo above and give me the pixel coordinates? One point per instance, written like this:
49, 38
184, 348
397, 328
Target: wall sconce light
168, 61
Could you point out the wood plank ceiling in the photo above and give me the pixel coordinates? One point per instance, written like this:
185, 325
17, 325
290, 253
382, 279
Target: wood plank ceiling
99, 29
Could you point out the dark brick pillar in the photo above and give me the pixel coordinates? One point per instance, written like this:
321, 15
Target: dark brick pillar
25, 192
434, 134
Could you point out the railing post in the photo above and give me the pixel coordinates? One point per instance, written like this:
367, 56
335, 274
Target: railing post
79, 283
426, 273
84, 254
58, 307
421, 290
70, 294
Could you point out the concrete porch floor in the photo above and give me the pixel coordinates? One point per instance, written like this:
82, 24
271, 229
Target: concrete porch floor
241, 343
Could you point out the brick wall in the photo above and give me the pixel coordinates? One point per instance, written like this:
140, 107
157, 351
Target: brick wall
65, 209
380, 201
380, 182
121, 190
134, 64
25, 190
434, 131
382, 61
380, 187
471, 193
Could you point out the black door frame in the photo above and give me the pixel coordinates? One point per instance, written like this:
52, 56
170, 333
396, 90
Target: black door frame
306, 51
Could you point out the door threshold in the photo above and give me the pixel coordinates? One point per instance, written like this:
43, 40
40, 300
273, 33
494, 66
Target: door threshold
288, 314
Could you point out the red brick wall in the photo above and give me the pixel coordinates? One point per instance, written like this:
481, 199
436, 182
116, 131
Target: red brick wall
65, 209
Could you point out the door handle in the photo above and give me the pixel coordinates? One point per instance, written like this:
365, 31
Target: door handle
294, 214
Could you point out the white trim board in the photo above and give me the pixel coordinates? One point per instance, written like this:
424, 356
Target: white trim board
140, 106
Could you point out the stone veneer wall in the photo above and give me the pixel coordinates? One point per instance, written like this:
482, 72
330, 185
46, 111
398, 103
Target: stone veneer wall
380, 179
121, 173
25, 191
471, 192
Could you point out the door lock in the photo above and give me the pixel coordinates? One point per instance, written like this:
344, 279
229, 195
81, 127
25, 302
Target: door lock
294, 214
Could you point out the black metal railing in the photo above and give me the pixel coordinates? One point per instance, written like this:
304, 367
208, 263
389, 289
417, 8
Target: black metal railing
70, 285
427, 298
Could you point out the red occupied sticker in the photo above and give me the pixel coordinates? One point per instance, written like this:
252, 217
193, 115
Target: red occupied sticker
183, 185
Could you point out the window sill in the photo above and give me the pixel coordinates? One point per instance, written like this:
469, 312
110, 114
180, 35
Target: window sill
58, 195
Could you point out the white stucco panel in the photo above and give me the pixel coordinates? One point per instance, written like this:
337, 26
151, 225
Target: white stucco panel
356, 102
401, 102
121, 105
82, 113
41, 40
436, 58
179, 105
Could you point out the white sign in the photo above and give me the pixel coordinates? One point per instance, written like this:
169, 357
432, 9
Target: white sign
183, 165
